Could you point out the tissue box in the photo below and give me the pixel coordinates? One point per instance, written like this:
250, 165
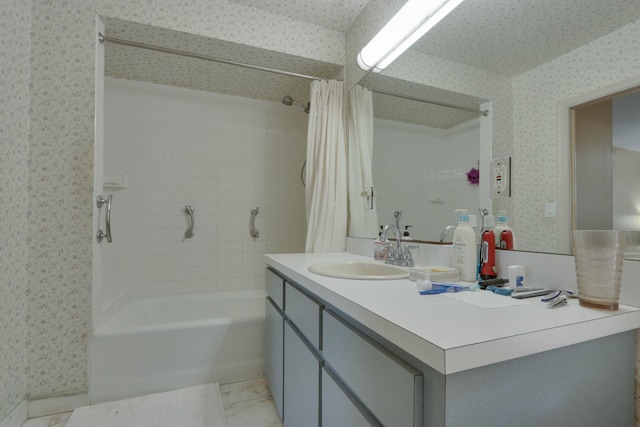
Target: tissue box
435, 274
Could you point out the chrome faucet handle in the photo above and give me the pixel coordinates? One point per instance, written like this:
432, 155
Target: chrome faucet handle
407, 259
393, 256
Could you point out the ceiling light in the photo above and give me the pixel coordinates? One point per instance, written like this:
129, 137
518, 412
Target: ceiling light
407, 26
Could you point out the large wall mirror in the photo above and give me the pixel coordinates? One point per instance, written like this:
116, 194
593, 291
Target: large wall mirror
523, 61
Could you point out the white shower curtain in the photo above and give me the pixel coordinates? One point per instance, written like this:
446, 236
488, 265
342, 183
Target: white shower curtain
326, 189
362, 222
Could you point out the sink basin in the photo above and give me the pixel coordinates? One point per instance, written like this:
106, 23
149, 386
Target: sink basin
360, 270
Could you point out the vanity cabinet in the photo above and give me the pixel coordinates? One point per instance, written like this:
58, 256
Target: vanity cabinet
357, 353
327, 372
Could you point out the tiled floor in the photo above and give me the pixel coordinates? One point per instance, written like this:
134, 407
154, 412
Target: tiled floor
246, 404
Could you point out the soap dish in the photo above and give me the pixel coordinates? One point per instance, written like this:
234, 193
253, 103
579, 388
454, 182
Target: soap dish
435, 273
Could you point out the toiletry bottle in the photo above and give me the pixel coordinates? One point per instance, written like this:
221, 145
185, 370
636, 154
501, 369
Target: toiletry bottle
406, 235
509, 238
465, 252
488, 250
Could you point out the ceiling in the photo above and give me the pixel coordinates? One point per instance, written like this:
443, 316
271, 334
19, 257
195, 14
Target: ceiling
506, 37
336, 15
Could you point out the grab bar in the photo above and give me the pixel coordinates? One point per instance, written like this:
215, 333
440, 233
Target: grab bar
252, 224
189, 210
101, 234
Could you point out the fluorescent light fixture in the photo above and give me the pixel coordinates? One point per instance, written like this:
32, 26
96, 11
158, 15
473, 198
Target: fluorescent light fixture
407, 26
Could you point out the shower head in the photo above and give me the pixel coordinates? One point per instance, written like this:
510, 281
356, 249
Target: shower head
287, 100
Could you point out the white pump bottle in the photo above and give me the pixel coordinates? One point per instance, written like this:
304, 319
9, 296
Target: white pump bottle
465, 251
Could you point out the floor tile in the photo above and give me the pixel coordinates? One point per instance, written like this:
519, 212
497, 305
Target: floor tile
253, 413
57, 420
244, 390
246, 404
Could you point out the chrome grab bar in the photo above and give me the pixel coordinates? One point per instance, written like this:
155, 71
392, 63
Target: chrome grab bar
101, 201
189, 210
252, 224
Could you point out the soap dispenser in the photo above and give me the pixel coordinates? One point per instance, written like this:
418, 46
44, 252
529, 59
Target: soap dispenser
406, 235
505, 238
488, 250
465, 252
380, 247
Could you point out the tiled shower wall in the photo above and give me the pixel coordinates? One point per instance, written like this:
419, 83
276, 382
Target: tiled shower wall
221, 154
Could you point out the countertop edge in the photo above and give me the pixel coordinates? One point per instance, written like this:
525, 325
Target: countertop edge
474, 355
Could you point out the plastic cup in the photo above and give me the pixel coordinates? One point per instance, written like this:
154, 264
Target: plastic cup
598, 255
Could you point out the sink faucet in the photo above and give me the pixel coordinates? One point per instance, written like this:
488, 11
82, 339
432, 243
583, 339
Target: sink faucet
397, 255
445, 231
394, 254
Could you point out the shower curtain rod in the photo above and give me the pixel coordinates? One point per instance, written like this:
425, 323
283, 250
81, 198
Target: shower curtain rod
102, 38
484, 113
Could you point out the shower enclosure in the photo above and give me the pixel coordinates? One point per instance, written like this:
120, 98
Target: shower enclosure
185, 168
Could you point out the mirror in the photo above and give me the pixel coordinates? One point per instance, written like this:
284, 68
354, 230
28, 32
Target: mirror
529, 60
444, 145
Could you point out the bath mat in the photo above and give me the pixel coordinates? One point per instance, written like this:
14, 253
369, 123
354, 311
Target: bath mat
199, 406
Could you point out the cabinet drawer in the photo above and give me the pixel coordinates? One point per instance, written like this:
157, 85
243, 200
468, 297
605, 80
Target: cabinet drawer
274, 285
388, 387
305, 312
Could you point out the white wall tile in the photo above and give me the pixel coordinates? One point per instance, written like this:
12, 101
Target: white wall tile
221, 167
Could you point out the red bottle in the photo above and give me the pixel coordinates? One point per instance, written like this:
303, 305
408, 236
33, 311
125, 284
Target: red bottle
506, 239
488, 255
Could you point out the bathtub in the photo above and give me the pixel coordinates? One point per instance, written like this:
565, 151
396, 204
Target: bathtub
162, 343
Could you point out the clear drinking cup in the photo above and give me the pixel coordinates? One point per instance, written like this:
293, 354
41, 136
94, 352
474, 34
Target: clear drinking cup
598, 255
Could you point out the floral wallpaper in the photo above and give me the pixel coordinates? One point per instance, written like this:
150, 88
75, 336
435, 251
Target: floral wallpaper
15, 27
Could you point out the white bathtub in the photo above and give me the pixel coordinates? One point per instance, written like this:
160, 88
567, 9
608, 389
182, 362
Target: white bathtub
164, 343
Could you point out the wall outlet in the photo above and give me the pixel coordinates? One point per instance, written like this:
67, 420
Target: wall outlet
500, 176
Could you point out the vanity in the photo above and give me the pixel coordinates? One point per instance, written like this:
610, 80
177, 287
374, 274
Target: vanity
344, 352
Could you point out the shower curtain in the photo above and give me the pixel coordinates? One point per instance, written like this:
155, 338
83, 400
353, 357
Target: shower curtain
362, 222
326, 190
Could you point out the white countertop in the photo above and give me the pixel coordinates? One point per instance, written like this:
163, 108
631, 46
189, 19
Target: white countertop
447, 333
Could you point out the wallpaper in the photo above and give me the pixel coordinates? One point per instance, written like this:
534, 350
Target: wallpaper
61, 155
536, 95
15, 27
333, 14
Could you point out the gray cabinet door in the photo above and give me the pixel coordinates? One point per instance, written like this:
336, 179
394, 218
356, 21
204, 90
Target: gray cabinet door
301, 381
274, 348
340, 408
